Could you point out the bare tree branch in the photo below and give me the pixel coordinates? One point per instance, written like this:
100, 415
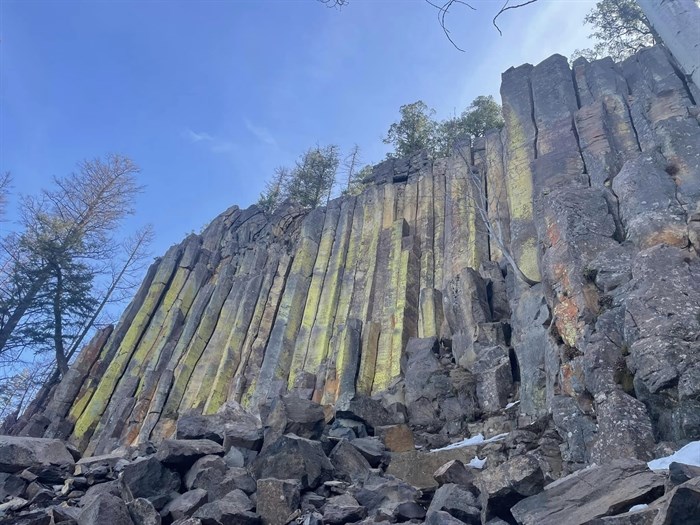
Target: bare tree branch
442, 13
505, 8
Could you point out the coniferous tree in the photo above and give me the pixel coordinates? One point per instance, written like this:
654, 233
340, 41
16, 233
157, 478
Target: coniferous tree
48, 298
275, 190
312, 180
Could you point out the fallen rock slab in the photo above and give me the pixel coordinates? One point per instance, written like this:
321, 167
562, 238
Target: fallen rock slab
418, 467
19, 453
591, 493
182, 453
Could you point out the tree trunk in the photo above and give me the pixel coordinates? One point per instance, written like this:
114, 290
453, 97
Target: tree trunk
677, 23
61, 360
20, 310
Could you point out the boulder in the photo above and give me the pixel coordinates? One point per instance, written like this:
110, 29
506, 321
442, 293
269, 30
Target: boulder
382, 496
458, 502
455, 472
235, 457
396, 438
342, 509
349, 463
188, 521
110, 487
235, 478
503, 486
197, 426
184, 505
409, 510
18, 453
682, 505
418, 467
296, 458
205, 471
442, 518
10, 485
180, 454
277, 500
294, 415
371, 448
245, 434
624, 429
105, 508
233, 510
366, 410
347, 428
143, 512
591, 493
94, 464
148, 478
680, 472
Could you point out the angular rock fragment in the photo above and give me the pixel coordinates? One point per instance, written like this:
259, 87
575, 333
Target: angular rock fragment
105, 509
277, 499
454, 472
371, 448
682, 505
457, 501
591, 493
18, 453
294, 415
233, 509
503, 486
396, 438
382, 496
342, 509
366, 410
148, 478
349, 463
204, 471
143, 512
185, 505
180, 454
294, 457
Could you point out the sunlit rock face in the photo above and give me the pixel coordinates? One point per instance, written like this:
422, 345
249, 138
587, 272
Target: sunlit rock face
593, 188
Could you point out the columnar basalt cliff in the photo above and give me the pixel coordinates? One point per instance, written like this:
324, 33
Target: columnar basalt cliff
399, 293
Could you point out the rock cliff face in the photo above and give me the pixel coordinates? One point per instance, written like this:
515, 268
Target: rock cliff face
401, 293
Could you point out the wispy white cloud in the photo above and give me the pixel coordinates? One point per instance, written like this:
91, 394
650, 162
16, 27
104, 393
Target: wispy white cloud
215, 144
261, 133
195, 136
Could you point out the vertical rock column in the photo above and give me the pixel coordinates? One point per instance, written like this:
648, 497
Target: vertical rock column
520, 147
88, 410
320, 350
321, 277
274, 371
399, 305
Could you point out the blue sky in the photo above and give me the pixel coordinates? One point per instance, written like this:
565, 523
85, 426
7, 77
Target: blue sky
208, 97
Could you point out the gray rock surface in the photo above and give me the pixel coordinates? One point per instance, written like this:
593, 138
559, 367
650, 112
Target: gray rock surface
18, 453
591, 493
